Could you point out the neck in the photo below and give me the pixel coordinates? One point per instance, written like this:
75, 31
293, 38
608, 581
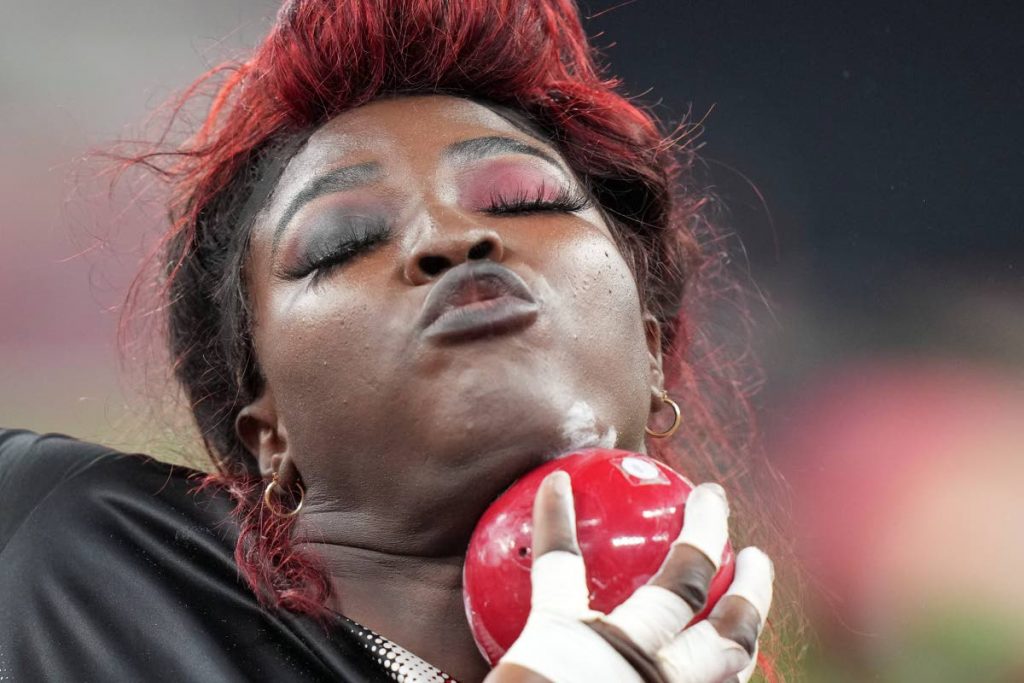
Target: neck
413, 601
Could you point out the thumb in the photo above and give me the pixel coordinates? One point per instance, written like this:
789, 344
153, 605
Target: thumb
558, 575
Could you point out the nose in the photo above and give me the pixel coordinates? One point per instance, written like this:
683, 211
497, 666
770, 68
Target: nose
446, 248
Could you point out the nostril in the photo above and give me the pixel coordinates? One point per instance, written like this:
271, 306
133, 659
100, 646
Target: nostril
432, 265
480, 250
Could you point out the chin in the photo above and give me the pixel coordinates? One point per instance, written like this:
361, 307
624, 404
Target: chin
491, 438
582, 429
466, 483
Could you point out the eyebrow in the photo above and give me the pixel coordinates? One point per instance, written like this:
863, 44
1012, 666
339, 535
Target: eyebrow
480, 148
351, 177
337, 180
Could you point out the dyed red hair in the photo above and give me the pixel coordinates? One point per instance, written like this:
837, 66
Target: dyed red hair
323, 57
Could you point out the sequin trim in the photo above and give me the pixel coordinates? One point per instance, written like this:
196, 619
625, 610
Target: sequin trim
400, 664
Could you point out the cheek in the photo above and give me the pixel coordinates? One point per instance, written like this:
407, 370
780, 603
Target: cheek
324, 356
598, 279
603, 307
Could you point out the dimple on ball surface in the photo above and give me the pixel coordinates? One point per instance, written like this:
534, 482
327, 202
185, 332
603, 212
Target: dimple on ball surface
629, 509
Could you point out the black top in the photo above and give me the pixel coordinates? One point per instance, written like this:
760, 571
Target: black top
113, 569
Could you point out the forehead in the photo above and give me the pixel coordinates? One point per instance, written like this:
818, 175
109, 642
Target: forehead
408, 130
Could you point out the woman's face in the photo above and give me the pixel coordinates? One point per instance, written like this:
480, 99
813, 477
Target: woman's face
392, 213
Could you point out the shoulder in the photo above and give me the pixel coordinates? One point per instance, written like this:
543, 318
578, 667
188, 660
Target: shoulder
56, 477
115, 566
74, 511
102, 558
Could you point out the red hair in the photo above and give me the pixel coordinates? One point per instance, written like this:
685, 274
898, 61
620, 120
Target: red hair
323, 57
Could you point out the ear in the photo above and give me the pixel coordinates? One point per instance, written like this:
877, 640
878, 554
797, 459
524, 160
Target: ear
260, 429
652, 331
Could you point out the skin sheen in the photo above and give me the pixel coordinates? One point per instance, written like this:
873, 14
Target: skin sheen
401, 441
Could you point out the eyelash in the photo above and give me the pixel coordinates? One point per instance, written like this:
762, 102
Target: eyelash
320, 262
568, 199
525, 201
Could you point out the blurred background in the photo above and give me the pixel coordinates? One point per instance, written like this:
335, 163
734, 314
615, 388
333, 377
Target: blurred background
869, 159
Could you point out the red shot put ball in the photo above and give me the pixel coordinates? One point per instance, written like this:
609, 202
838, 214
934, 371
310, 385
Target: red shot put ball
629, 509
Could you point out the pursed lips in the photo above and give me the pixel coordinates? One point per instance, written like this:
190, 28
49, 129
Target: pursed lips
477, 298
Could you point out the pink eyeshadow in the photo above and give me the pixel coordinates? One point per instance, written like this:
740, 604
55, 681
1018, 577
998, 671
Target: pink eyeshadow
507, 179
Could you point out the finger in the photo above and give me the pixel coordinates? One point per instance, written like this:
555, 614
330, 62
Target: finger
651, 617
655, 613
558, 575
748, 672
554, 516
695, 555
701, 655
755, 575
736, 619
706, 522
741, 613
726, 643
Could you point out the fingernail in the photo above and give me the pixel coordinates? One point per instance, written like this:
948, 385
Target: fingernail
561, 483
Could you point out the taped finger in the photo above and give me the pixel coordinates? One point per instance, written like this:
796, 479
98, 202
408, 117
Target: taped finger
700, 655
566, 651
748, 672
686, 572
736, 619
706, 524
753, 582
651, 617
558, 575
559, 586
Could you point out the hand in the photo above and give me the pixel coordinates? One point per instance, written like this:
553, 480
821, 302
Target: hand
643, 640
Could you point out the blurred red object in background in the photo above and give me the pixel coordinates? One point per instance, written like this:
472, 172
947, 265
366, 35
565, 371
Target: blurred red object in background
907, 479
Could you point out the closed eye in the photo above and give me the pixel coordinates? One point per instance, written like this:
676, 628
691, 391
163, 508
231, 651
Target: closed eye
568, 199
321, 258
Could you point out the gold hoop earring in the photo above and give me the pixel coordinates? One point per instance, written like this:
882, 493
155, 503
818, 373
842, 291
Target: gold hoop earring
267, 493
676, 420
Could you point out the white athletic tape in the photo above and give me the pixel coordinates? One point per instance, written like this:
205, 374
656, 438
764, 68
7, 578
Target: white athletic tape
651, 617
706, 523
567, 651
753, 582
700, 655
745, 675
557, 644
559, 581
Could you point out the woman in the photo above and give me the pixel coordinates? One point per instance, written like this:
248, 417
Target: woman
418, 248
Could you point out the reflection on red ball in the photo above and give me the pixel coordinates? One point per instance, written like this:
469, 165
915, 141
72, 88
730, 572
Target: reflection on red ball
629, 509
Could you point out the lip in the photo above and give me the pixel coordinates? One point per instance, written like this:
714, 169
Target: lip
477, 299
